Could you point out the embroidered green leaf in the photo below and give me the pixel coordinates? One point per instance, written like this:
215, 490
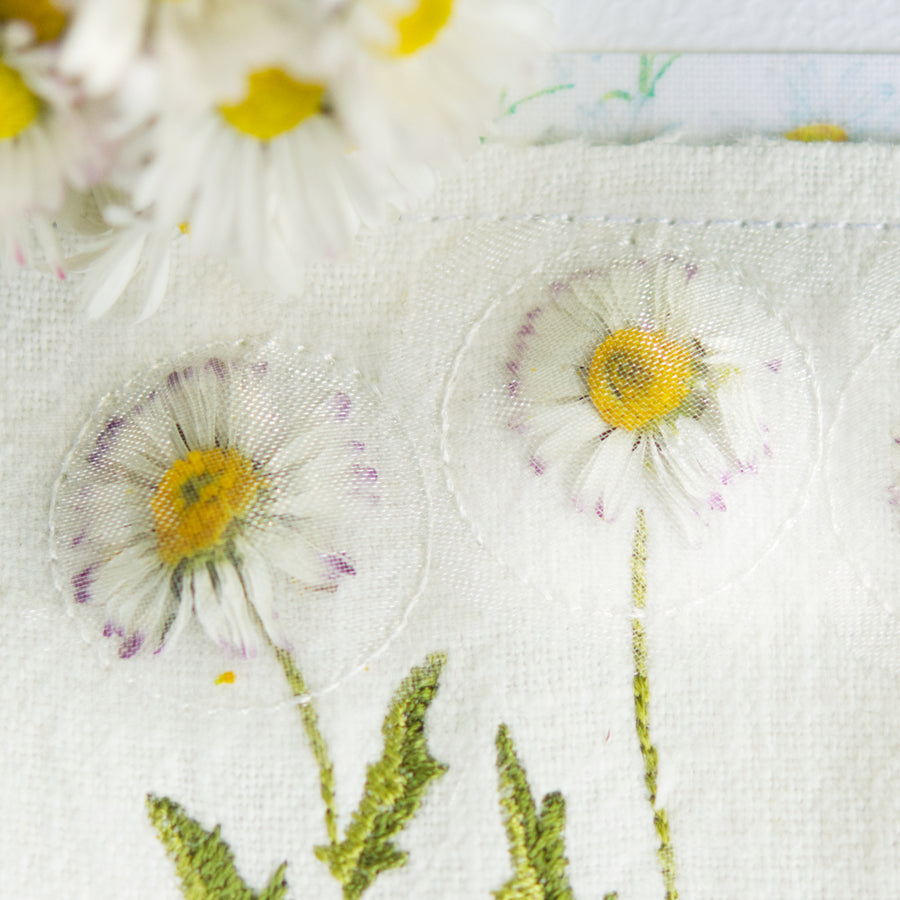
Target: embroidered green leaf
394, 787
203, 861
536, 842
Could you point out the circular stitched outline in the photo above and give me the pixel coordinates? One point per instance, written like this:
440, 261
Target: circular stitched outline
802, 493
839, 427
108, 403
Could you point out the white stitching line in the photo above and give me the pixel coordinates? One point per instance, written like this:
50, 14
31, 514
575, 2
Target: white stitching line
648, 220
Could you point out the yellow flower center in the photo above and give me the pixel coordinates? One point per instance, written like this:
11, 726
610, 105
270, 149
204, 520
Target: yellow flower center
48, 21
197, 501
639, 376
818, 131
275, 103
18, 106
420, 27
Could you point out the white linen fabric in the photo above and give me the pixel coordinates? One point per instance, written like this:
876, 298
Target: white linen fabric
773, 692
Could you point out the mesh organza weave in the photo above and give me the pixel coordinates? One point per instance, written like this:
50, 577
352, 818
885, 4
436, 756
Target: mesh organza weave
261, 493
617, 377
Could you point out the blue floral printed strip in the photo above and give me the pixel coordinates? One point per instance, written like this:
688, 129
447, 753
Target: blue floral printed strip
706, 98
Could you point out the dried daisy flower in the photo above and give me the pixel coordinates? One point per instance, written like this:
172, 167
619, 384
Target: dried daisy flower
50, 141
189, 494
625, 381
424, 76
253, 157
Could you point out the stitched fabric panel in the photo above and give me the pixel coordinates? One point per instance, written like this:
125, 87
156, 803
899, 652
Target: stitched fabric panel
772, 708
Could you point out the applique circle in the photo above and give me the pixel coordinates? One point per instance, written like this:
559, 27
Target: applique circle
234, 500
864, 471
614, 379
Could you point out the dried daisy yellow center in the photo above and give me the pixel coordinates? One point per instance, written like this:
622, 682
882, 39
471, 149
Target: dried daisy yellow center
638, 376
18, 106
275, 103
421, 26
198, 499
46, 19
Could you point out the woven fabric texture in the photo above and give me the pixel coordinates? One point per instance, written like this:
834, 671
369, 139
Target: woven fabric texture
773, 681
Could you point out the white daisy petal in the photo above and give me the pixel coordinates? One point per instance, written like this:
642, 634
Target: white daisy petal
231, 595
295, 556
217, 475
258, 588
201, 591
611, 475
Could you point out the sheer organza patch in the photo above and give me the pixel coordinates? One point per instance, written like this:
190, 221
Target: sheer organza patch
865, 494
259, 494
626, 376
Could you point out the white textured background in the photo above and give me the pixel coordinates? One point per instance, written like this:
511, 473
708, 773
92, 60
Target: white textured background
774, 706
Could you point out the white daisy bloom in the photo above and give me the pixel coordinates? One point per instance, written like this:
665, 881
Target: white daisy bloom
617, 377
266, 183
252, 156
223, 486
624, 382
50, 141
426, 75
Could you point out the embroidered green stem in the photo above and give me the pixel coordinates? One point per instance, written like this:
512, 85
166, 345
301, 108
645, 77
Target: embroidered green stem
642, 701
203, 861
310, 719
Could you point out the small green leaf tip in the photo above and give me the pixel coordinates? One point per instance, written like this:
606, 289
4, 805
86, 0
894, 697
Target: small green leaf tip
203, 861
536, 842
394, 787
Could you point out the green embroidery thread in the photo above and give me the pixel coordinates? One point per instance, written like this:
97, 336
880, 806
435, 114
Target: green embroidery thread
310, 719
394, 787
203, 861
642, 702
536, 843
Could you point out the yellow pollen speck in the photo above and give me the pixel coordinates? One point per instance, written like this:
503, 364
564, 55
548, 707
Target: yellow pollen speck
818, 131
275, 103
48, 21
185, 227
420, 27
18, 106
225, 678
197, 501
637, 376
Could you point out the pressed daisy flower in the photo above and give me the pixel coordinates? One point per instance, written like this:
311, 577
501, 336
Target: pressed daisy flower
427, 74
626, 385
612, 380
189, 495
49, 142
